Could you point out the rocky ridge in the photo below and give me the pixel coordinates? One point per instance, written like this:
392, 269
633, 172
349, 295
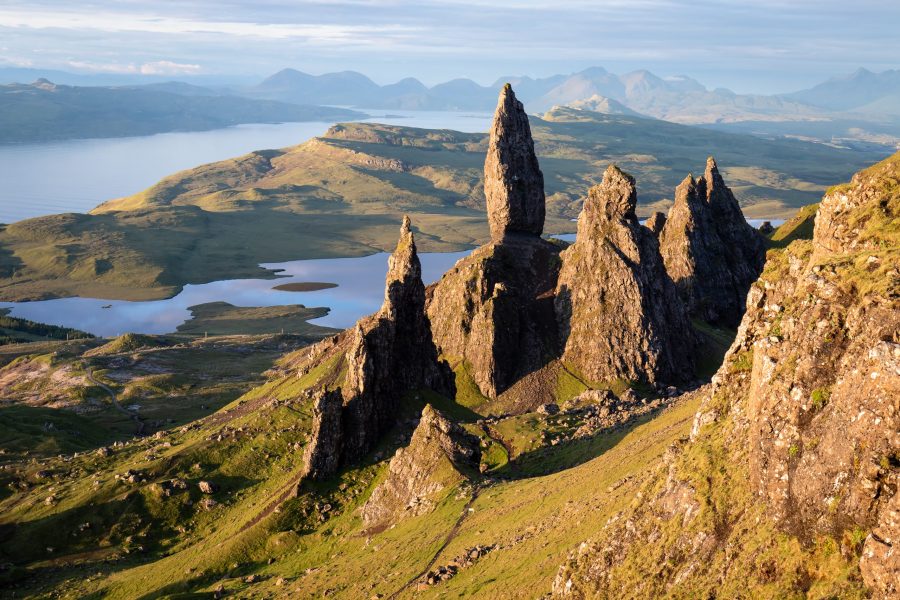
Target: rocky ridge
709, 249
794, 456
618, 312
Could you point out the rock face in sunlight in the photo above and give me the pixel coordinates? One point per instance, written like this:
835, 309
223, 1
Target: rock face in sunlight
386, 355
797, 438
619, 314
440, 454
493, 308
513, 182
710, 251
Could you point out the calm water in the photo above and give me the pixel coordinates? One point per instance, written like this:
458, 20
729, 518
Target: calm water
77, 175
360, 292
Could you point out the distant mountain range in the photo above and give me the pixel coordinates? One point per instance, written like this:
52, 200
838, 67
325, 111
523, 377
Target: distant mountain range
862, 91
681, 98
861, 108
44, 111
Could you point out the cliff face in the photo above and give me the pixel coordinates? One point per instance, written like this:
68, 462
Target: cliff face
618, 311
440, 454
386, 355
494, 309
789, 483
709, 249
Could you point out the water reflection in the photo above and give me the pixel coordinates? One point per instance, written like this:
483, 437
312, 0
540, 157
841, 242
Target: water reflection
359, 292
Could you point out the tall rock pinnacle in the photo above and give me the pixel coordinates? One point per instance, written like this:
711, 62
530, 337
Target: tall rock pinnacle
513, 182
386, 356
619, 313
403, 290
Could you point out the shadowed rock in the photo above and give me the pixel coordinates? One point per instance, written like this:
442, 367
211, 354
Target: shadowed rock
323, 454
493, 308
513, 182
386, 355
710, 251
440, 454
619, 314
655, 223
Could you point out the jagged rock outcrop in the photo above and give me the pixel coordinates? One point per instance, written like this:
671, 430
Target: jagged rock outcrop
710, 251
656, 222
796, 445
513, 182
440, 454
386, 356
323, 453
619, 314
494, 309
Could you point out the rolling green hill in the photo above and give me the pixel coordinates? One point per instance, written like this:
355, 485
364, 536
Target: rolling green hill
344, 193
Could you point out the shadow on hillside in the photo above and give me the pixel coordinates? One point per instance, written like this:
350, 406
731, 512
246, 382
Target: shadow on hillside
567, 454
41, 431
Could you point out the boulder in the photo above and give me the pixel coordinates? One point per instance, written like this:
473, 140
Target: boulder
441, 454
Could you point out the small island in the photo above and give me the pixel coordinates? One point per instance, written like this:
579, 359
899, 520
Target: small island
304, 286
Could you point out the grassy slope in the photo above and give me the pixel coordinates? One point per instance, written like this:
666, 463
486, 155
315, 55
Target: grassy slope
17, 331
343, 195
533, 519
171, 380
144, 544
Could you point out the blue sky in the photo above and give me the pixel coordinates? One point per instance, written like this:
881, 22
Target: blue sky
749, 46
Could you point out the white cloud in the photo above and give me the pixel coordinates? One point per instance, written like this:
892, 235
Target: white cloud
167, 67
154, 23
159, 67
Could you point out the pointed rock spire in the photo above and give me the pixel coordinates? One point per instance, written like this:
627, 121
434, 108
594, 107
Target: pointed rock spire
710, 251
385, 356
618, 312
656, 222
440, 454
404, 290
615, 198
513, 182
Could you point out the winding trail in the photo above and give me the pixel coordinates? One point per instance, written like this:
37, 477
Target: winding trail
139, 424
451, 535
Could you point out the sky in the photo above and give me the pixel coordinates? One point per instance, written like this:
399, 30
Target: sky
763, 46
